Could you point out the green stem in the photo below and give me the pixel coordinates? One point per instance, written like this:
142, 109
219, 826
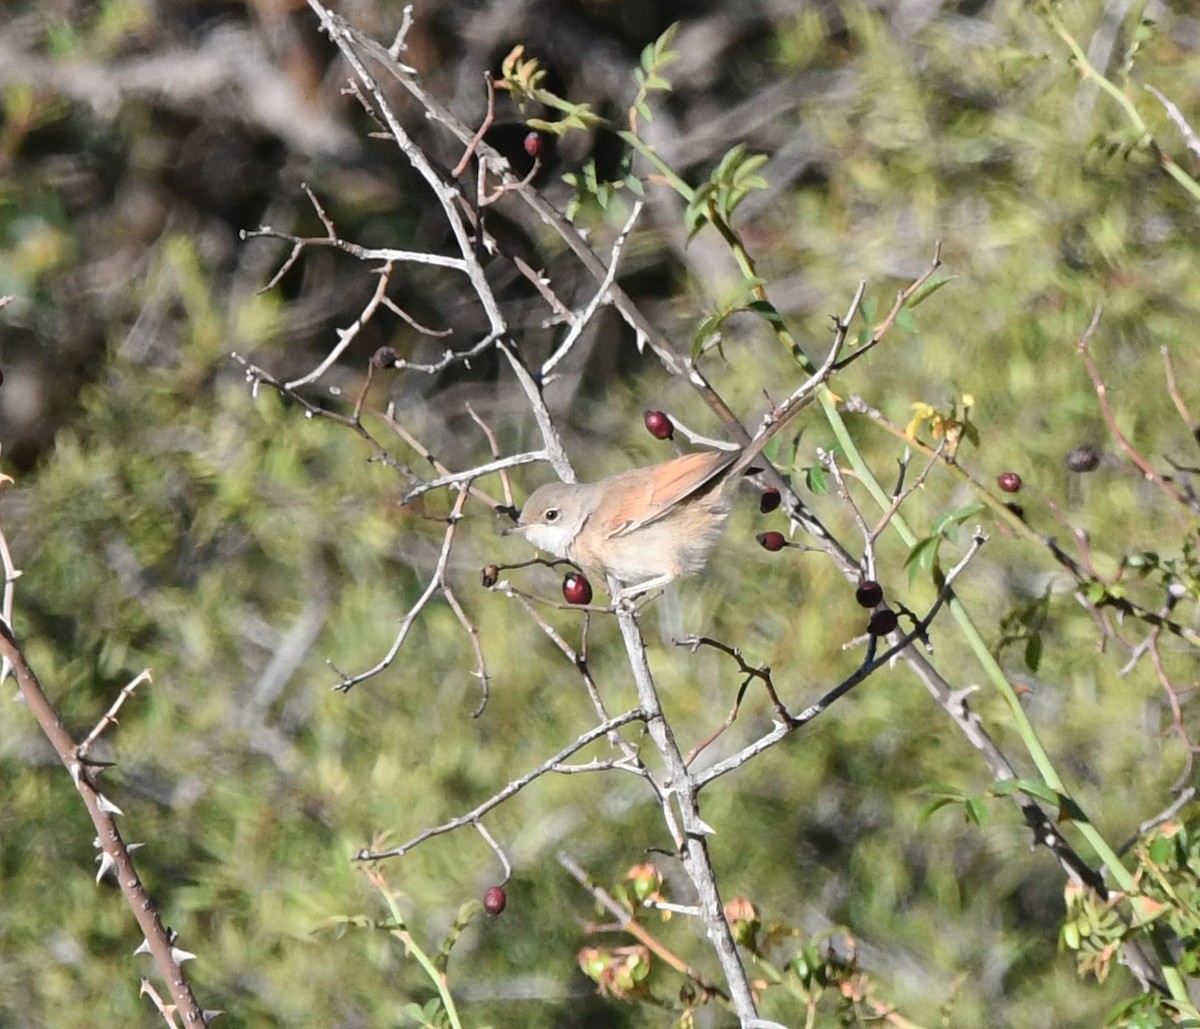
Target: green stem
423, 959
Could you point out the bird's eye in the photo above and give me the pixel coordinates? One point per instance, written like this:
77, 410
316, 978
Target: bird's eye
551, 514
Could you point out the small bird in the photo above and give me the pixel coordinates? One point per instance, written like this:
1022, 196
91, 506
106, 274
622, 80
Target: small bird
648, 526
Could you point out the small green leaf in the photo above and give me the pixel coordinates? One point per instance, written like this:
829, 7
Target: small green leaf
1033, 652
705, 331
922, 557
1068, 936
415, 1012
1161, 850
1033, 787
955, 516
928, 288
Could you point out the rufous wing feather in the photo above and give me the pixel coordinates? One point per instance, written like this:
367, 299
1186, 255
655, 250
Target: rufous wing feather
672, 483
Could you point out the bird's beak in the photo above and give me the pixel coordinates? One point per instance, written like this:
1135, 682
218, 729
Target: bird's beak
516, 529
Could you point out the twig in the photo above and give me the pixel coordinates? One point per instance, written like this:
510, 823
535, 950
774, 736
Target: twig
513, 788
110, 716
627, 922
600, 297
1143, 466
788, 724
437, 582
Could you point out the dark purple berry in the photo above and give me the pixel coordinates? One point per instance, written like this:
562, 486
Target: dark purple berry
769, 500
882, 622
771, 541
869, 593
1083, 459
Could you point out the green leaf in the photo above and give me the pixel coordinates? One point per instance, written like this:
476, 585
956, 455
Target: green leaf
1033, 787
705, 331
927, 289
1161, 850
922, 557
955, 516
415, 1012
1033, 652
977, 811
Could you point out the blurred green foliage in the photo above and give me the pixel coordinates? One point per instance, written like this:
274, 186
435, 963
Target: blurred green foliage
235, 548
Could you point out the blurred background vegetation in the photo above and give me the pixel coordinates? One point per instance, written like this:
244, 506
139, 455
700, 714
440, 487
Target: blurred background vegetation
166, 518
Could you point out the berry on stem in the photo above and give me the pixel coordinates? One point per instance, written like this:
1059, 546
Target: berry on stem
576, 589
659, 425
772, 541
494, 900
769, 500
1010, 482
1083, 459
882, 622
869, 593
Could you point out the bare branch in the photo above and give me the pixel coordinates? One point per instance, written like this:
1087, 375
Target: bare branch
513, 788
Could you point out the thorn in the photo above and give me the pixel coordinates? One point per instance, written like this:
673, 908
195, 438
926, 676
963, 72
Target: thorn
106, 863
107, 806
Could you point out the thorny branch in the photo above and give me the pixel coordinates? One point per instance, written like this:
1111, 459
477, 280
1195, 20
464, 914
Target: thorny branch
116, 857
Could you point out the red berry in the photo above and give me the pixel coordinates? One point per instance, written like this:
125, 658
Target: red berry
659, 425
494, 900
882, 622
533, 144
869, 593
771, 541
576, 589
1010, 482
769, 500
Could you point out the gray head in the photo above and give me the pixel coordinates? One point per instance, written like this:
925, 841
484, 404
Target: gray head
554, 514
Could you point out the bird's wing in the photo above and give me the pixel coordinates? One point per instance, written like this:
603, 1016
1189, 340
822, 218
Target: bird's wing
648, 497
